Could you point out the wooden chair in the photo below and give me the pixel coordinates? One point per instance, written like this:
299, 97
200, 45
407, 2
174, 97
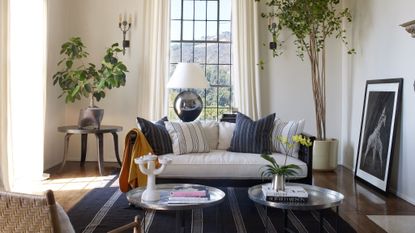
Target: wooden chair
36, 213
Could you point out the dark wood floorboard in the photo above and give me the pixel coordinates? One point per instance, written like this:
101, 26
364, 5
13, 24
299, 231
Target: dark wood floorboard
360, 199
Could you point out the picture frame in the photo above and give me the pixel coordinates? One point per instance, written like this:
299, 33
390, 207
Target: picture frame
380, 117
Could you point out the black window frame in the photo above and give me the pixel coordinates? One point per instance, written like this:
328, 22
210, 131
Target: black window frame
219, 109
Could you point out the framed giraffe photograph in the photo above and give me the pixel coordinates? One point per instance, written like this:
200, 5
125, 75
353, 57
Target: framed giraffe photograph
380, 116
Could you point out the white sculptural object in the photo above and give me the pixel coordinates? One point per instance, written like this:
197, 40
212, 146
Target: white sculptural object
151, 193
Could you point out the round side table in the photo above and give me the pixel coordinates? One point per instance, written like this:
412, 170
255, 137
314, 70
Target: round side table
99, 134
318, 199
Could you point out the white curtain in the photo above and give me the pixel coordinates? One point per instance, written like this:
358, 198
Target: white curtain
154, 75
4, 163
245, 73
23, 77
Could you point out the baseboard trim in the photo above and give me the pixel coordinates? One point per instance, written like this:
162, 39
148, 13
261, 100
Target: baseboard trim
403, 196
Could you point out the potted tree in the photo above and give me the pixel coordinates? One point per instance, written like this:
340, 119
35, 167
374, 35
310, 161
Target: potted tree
311, 22
79, 80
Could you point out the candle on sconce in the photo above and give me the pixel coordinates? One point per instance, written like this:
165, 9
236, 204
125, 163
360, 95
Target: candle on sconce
120, 19
129, 19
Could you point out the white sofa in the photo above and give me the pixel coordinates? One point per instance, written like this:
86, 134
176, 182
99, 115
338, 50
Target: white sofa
222, 164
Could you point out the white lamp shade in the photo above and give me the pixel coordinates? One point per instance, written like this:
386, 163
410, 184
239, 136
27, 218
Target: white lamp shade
188, 75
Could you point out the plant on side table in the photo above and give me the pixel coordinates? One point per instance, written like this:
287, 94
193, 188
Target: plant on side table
78, 80
311, 22
280, 172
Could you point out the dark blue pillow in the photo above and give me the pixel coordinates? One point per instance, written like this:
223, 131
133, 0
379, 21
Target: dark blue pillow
252, 136
157, 135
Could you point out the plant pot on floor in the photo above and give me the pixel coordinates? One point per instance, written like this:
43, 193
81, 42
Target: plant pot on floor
90, 117
325, 155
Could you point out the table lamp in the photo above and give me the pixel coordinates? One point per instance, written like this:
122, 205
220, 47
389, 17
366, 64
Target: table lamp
188, 105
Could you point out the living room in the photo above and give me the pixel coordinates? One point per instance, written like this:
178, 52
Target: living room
381, 51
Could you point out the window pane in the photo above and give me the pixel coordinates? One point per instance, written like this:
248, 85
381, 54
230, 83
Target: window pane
200, 10
174, 52
200, 30
188, 10
212, 53
175, 30
212, 30
187, 52
211, 114
212, 10
172, 116
212, 74
225, 10
187, 30
176, 9
224, 94
225, 31
211, 97
200, 53
224, 75
171, 70
224, 53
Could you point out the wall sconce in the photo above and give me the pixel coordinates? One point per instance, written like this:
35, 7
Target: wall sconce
409, 27
124, 26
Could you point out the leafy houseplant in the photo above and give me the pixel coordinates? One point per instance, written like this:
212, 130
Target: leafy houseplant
311, 22
280, 172
78, 80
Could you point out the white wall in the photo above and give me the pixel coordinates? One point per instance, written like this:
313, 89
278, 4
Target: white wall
286, 82
55, 108
384, 50
96, 22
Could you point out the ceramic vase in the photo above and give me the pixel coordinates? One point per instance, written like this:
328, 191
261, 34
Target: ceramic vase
151, 193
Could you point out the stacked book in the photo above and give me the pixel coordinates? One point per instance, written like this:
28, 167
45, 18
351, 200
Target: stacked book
291, 194
189, 194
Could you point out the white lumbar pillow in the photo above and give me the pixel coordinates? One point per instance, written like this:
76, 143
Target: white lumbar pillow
225, 135
286, 129
187, 137
211, 129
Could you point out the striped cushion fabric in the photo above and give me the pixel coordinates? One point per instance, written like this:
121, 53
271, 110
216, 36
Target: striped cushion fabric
187, 137
286, 129
157, 135
252, 136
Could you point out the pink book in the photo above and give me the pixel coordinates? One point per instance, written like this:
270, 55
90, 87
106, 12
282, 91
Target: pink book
195, 193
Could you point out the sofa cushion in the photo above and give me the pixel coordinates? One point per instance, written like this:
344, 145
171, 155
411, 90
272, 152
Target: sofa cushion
224, 164
288, 130
187, 137
211, 129
252, 136
157, 135
225, 135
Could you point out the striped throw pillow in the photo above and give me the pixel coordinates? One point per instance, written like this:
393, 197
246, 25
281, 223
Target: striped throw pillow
286, 129
157, 135
252, 136
187, 137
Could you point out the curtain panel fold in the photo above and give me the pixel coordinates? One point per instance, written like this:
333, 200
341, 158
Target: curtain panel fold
4, 97
152, 97
245, 71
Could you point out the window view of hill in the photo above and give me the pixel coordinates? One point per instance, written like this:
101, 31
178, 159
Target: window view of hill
201, 33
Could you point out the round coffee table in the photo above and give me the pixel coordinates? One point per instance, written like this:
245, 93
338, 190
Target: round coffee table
318, 199
216, 197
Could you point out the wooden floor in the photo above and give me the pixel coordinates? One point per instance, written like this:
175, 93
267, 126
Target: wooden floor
73, 182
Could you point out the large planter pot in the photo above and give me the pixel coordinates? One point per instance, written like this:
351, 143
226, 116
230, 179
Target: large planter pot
90, 117
325, 154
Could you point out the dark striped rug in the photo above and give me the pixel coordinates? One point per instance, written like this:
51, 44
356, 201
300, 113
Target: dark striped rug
104, 209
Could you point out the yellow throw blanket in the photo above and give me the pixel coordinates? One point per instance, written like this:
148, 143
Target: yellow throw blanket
130, 175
